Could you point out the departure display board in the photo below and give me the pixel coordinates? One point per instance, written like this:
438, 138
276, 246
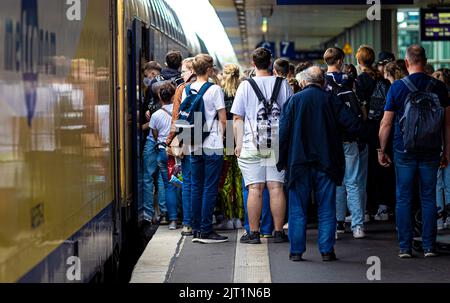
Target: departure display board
343, 2
435, 24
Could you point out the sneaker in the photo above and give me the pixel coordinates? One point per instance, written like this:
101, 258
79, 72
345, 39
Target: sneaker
280, 237
430, 253
348, 219
225, 225
195, 237
327, 257
237, 223
340, 228
405, 254
382, 214
366, 218
163, 219
296, 257
358, 233
187, 231
447, 223
252, 238
440, 224
286, 226
212, 237
173, 225
337, 236
266, 236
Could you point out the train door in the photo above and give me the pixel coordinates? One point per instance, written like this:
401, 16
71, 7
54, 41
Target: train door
138, 54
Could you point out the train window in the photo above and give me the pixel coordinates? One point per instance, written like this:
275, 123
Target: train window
158, 21
172, 22
161, 15
153, 14
166, 18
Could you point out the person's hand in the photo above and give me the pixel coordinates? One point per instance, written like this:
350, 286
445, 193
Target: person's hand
444, 162
147, 115
237, 151
384, 159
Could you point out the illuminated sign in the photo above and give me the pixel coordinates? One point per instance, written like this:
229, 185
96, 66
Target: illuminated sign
335, 2
435, 24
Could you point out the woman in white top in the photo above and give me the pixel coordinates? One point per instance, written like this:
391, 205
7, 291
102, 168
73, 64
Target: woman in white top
207, 158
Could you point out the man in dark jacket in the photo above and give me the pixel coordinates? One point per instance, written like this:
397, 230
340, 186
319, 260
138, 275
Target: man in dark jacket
311, 150
174, 59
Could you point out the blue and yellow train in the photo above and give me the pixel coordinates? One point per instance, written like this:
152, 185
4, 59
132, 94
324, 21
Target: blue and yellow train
70, 97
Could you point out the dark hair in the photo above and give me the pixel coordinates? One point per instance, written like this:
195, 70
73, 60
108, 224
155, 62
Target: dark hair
166, 91
333, 55
394, 70
294, 85
152, 65
292, 69
262, 58
402, 64
174, 59
351, 71
302, 66
429, 69
416, 54
281, 66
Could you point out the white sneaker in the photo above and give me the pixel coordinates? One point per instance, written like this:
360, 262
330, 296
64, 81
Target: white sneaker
358, 233
447, 223
440, 224
348, 219
337, 235
286, 226
382, 214
237, 223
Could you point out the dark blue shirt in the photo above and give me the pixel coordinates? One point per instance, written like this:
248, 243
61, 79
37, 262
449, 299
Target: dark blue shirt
397, 96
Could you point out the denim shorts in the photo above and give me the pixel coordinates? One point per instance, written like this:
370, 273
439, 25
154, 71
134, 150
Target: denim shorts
258, 168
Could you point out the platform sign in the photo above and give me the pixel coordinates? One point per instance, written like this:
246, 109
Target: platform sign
337, 2
287, 49
269, 45
435, 24
348, 50
309, 55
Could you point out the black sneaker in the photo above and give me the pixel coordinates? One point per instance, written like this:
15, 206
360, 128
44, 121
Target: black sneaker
405, 254
163, 219
195, 236
430, 253
212, 237
252, 238
296, 257
340, 227
327, 257
280, 237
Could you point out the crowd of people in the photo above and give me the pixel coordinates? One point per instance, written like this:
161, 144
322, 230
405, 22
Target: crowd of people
227, 150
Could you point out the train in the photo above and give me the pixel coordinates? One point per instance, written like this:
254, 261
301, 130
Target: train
70, 158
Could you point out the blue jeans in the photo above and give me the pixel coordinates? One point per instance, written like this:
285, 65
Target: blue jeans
266, 216
186, 191
349, 194
205, 173
443, 188
407, 165
173, 196
362, 177
155, 166
299, 197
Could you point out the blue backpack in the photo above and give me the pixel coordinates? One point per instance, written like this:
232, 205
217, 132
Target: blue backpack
193, 103
422, 122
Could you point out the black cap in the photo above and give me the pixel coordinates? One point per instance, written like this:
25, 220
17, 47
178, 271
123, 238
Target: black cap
385, 57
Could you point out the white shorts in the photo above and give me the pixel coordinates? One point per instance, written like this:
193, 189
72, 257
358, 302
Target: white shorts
257, 169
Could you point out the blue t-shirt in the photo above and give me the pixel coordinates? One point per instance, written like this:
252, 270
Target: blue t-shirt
396, 98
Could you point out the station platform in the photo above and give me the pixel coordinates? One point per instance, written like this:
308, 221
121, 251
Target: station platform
172, 258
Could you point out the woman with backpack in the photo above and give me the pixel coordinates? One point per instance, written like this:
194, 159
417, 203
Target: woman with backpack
376, 182
207, 154
230, 200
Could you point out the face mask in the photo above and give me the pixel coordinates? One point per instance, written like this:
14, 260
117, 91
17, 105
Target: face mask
147, 81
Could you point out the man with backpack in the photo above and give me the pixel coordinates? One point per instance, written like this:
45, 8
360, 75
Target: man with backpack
257, 108
349, 194
417, 108
171, 72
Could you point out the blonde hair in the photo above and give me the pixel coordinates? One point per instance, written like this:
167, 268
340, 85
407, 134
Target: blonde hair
189, 63
230, 81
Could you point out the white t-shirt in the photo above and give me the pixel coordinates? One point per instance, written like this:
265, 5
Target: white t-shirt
161, 122
214, 101
246, 105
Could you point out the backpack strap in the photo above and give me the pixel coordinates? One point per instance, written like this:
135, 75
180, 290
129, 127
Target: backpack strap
431, 85
255, 87
412, 88
276, 89
204, 88
188, 90
166, 111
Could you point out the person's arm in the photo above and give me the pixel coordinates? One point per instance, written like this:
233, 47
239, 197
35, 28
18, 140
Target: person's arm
238, 130
238, 111
155, 134
385, 130
285, 135
222, 113
175, 112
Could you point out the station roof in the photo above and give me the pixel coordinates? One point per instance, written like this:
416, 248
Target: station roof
307, 25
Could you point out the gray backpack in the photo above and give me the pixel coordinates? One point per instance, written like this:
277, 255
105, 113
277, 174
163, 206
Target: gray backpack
422, 122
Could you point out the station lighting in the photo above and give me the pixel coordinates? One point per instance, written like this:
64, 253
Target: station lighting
265, 25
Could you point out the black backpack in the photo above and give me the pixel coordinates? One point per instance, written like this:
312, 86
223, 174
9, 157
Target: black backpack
378, 101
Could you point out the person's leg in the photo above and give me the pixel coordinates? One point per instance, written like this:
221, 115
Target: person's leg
341, 202
427, 173
149, 167
405, 168
266, 217
446, 179
352, 184
299, 196
362, 177
163, 180
325, 195
245, 197
440, 189
277, 204
254, 205
197, 179
186, 191
213, 164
